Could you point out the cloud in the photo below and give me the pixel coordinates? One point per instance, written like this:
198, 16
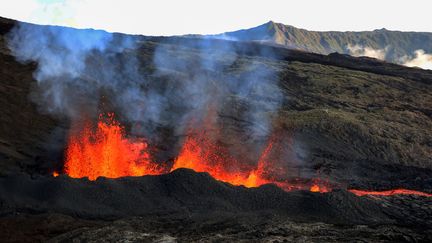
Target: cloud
421, 60
359, 50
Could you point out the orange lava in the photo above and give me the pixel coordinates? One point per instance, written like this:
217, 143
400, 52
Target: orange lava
104, 150
315, 188
319, 188
202, 154
390, 192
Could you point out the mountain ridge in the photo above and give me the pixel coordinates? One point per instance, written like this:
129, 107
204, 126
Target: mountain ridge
396, 46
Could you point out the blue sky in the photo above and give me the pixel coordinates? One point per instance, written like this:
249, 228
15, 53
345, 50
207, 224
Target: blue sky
163, 17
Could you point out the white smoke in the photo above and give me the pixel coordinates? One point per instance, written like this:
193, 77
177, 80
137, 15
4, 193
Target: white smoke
359, 51
420, 59
210, 84
78, 67
65, 83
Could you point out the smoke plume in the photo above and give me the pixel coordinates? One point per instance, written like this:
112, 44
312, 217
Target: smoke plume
65, 83
181, 83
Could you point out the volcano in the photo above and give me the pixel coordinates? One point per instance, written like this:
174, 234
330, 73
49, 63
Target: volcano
111, 137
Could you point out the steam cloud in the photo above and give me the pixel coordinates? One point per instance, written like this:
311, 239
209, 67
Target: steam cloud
77, 67
64, 79
421, 60
359, 50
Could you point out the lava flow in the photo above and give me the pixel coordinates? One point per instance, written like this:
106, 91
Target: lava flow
105, 151
390, 192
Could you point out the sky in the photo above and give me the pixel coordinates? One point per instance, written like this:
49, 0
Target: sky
176, 17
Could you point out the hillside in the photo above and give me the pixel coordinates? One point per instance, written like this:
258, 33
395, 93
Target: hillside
392, 46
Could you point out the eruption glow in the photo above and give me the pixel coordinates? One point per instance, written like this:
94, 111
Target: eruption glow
202, 155
105, 151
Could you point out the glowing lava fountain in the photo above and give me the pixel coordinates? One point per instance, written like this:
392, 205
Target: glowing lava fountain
102, 149
105, 151
202, 154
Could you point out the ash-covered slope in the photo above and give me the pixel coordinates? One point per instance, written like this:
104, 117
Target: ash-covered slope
394, 46
182, 191
185, 192
189, 205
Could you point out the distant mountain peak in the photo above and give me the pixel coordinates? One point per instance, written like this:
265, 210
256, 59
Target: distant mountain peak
382, 29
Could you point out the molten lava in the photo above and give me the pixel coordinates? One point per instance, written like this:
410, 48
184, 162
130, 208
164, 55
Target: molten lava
203, 155
390, 192
105, 151
315, 188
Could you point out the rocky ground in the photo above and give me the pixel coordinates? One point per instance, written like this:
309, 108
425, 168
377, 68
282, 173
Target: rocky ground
257, 227
187, 206
366, 124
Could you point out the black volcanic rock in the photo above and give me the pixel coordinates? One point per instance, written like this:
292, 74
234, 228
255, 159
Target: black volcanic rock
182, 202
183, 192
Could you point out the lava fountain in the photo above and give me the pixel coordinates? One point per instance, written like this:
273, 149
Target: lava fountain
105, 151
202, 154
